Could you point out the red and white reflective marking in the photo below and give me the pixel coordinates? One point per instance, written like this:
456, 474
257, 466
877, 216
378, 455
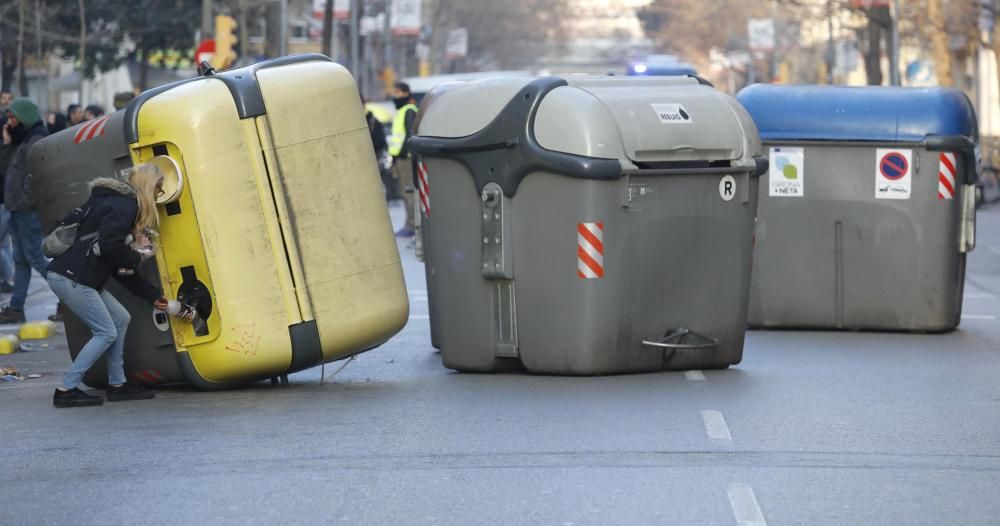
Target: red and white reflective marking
946, 176
149, 377
90, 129
590, 250
425, 191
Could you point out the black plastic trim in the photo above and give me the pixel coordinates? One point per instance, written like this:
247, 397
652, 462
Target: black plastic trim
763, 163
242, 83
505, 151
755, 170
965, 145
172, 208
701, 80
307, 349
957, 143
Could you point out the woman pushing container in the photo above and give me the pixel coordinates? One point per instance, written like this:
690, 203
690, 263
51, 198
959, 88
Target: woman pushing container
117, 214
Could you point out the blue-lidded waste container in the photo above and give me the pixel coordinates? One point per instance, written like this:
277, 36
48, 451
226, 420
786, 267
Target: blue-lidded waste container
868, 208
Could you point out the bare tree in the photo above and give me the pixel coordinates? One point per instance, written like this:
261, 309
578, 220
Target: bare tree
20, 84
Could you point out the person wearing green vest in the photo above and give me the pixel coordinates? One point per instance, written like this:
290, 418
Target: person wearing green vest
402, 166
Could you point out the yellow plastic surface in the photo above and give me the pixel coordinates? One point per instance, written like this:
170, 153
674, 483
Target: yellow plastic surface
37, 330
340, 224
332, 258
8, 344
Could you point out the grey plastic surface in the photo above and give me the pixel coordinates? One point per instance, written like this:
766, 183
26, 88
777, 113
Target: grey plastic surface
837, 258
501, 270
480, 102
506, 150
708, 133
574, 121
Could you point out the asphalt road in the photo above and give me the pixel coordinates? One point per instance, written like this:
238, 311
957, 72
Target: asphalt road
812, 428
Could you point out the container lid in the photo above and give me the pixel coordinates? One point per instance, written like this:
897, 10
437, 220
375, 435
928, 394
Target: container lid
870, 113
655, 119
583, 127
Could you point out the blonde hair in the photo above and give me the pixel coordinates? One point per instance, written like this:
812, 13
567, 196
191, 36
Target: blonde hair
145, 178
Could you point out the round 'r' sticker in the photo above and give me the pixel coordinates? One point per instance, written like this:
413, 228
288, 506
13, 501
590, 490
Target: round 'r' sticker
727, 188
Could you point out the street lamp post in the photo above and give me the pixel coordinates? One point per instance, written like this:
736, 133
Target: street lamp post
283, 43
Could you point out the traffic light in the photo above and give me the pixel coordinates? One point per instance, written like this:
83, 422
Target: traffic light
225, 40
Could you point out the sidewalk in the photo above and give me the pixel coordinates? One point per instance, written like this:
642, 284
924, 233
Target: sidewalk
51, 362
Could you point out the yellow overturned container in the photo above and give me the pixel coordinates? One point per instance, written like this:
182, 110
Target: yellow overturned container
273, 223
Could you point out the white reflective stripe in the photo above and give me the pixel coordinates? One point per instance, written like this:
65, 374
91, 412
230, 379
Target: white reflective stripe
596, 230
101, 127
584, 269
589, 249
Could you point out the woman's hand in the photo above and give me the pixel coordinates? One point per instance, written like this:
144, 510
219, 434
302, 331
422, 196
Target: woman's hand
161, 304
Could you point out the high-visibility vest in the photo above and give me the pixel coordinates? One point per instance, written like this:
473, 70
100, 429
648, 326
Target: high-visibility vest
398, 136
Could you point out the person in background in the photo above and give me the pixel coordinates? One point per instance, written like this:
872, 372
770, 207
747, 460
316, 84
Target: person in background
74, 113
5, 98
402, 129
119, 212
93, 112
122, 98
6, 260
56, 121
23, 129
377, 132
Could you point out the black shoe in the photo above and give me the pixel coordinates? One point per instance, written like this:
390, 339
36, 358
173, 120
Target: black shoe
129, 391
9, 316
6, 287
75, 398
58, 316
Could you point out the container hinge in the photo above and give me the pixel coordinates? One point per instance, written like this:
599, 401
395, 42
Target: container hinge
497, 261
504, 319
634, 193
498, 266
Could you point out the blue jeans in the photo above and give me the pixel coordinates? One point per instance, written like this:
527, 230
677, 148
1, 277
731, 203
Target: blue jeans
107, 320
26, 234
6, 260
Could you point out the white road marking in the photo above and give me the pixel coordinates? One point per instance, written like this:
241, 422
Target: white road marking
745, 507
417, 292
694, 376
715, 425
418, 298
979, 296
995, 249
978, 317
420, 316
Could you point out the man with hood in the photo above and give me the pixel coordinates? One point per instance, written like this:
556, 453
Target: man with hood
23, 129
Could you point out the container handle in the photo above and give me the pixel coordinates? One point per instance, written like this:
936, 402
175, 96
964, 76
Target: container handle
677, 339
754, 170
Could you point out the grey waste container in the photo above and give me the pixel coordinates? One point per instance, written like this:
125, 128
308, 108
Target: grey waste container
63, 165
587, 225
868, 209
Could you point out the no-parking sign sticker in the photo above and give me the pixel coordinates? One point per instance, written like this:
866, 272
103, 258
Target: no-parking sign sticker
893, 173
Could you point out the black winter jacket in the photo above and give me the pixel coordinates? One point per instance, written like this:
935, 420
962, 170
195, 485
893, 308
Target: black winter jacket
113, 209
17, 194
